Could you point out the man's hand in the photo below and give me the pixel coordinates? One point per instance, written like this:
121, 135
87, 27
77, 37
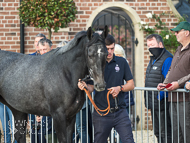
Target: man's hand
161, 86
174, 86
39, 118
187, 86
81, 84
115, 91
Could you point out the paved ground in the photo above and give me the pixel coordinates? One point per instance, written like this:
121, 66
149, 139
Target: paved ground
143, 137
139, 137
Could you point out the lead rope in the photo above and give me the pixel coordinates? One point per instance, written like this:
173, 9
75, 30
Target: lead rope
95, 107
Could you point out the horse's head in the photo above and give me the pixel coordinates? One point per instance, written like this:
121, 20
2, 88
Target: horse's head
96, 57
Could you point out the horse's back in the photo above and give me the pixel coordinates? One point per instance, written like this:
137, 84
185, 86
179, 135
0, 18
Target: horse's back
9, 60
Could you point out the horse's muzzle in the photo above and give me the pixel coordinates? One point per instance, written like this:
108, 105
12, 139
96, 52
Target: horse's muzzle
100, 87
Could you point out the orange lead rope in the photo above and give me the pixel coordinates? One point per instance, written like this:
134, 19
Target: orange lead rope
95, 107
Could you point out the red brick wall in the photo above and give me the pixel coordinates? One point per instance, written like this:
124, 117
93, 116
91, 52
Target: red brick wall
10, 23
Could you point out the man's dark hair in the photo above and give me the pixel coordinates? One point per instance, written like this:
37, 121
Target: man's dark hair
109, 40
40, 35
44, 40
157, 37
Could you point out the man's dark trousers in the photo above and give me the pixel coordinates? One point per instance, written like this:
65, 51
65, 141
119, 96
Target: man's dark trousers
119, 120
162, 125
180, 115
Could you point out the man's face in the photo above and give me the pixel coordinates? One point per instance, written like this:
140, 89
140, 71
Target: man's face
180, 35
110, 49
152, 43
44, 49
37, 39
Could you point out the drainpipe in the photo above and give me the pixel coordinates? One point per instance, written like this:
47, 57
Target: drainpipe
21, 36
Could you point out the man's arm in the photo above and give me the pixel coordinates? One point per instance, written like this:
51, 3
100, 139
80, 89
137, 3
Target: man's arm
166, 69
126, 87
180, 83
183, 80
174, 85
166, 79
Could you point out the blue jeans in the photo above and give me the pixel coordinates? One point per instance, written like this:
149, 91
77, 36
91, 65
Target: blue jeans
8, 122
78, 125
39, 136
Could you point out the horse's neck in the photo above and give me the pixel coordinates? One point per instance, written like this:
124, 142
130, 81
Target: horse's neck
77, 55
74, 61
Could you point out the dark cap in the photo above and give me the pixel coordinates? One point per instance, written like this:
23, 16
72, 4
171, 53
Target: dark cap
182, 25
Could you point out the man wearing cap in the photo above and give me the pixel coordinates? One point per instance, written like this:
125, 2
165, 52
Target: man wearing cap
179, 69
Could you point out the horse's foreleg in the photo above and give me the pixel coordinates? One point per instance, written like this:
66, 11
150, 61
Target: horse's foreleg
20, 126
59, 121
70, 129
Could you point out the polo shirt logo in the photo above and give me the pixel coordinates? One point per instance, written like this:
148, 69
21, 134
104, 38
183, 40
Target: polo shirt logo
154, 68
117, 68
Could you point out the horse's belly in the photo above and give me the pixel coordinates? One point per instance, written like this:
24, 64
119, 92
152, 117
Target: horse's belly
27, 104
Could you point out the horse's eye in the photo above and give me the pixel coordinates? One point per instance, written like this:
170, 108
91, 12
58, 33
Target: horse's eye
90, 52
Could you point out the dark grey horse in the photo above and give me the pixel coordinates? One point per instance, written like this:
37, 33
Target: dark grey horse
47, 85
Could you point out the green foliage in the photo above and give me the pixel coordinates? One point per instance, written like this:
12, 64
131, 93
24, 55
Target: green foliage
169, 38
47, 14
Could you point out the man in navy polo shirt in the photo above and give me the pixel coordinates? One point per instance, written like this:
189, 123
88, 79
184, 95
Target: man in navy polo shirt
116, 71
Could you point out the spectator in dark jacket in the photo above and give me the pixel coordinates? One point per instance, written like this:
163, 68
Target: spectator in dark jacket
157, 69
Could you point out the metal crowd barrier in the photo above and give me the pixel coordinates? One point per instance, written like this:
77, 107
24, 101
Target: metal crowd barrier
137, 114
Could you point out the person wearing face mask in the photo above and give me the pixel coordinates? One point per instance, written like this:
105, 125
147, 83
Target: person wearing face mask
156, 72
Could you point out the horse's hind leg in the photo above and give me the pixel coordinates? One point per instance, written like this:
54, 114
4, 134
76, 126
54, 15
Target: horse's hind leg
20, 123
20, 126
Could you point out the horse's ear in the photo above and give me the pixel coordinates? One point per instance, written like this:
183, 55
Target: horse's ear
105, 32
89, 33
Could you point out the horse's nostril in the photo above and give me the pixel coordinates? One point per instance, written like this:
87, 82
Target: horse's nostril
99, 87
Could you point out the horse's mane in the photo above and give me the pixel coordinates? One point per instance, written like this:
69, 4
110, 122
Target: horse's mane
70, 45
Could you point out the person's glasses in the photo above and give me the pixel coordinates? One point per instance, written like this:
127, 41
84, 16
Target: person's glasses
178, 31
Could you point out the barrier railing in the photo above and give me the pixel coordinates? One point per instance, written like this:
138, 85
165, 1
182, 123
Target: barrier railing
142, 126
